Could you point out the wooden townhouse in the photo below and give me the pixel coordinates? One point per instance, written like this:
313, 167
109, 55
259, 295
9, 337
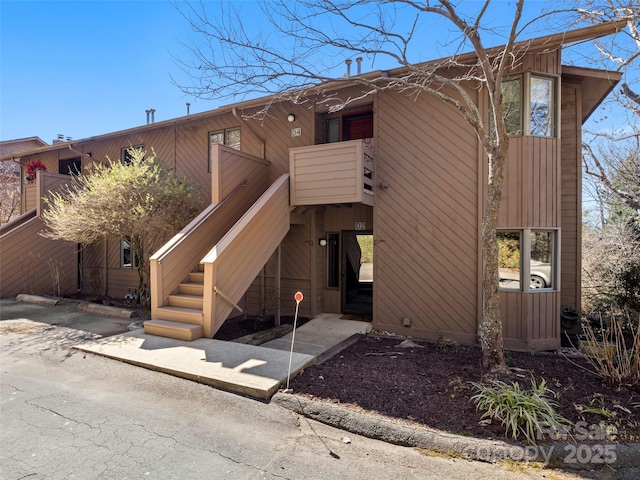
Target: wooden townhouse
293, 194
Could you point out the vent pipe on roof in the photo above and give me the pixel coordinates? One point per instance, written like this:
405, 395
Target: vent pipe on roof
153, 115
359, 62
348, 61
148, 112
188, 105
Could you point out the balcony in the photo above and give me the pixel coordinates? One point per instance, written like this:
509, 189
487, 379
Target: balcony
332, 173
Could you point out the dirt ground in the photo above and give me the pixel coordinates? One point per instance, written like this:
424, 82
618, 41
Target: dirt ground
431, 384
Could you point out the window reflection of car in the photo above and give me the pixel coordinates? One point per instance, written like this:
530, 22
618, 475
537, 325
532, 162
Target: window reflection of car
540, 275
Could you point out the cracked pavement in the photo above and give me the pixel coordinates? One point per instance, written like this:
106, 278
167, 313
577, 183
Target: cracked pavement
67, 414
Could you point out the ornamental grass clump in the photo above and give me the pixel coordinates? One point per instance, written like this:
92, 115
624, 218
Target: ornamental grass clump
522, 412
612, 349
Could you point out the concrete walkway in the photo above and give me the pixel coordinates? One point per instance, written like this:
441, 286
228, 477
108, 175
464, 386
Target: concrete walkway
256, 371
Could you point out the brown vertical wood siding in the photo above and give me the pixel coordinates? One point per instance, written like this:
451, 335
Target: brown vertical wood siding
571, 197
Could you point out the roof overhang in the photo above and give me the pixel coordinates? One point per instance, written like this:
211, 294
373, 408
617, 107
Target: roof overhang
596, 85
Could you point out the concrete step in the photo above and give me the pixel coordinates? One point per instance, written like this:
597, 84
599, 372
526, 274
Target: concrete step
180, 314
177, 330
191, 289
186, 301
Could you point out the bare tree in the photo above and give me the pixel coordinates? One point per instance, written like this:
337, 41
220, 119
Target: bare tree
9, 191
611, 146
310, 38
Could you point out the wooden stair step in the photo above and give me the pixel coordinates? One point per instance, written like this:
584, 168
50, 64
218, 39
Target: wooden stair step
180, 314
177, 330
191, 289
196, 277
186, 301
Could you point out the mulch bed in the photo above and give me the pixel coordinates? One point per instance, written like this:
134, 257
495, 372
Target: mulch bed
431, 384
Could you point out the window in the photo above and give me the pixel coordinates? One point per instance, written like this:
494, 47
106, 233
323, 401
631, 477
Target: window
128, 259
528, 252
541, 106
229, 137
512, 105
126, 154
509, 260
538, 106
349, 126
541, 258
70, 166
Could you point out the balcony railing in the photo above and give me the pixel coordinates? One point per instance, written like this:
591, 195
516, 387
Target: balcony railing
341, 172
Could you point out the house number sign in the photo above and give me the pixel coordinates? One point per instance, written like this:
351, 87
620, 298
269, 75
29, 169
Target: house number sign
361, 225
296, 132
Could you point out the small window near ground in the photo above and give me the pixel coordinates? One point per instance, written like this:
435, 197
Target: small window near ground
542, 264
509, 264
527, 252
128, 259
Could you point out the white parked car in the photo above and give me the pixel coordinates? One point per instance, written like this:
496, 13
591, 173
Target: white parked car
540, 275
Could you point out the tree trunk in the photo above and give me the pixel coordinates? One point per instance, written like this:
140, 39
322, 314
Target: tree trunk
490, 328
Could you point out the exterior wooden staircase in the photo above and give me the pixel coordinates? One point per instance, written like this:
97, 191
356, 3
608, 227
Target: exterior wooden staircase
231, 243
182, 317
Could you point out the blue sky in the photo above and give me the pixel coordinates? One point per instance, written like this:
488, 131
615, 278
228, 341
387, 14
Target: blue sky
82, 68
85, 68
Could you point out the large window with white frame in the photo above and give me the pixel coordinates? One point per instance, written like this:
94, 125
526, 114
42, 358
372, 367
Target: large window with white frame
528, 253
529, 105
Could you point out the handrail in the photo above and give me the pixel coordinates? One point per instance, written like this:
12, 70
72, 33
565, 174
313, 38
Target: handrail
202, 217
233, 263
16, 222
226, 297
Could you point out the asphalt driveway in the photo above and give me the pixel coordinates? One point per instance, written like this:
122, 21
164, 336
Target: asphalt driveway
65, 314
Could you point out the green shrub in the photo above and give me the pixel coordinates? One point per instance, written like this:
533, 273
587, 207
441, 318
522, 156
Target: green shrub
522, 412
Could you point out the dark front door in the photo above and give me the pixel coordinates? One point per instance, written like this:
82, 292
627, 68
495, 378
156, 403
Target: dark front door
357, 272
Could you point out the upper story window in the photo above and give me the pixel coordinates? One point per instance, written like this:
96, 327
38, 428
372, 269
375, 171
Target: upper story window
126, 154
529, 105
351, 125
541, 108
512, 105
229, 137
70, 166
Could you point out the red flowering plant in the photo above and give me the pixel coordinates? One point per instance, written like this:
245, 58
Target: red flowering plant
32, 168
